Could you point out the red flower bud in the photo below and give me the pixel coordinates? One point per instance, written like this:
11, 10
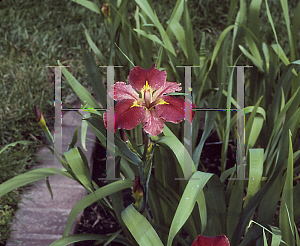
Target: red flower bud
42, 123
123, 136
137, 190
106, 11
39, 117
38, 113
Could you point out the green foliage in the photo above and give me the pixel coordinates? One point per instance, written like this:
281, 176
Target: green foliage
7, 209
137, 34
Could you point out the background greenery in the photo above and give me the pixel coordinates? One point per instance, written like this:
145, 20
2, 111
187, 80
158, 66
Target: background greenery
38, 33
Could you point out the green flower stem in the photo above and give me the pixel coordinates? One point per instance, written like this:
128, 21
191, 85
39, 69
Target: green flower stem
145, 169
145, 148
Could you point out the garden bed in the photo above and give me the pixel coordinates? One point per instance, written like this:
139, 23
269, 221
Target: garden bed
96, 221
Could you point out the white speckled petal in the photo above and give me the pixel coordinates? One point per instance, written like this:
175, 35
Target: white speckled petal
152, 123
123, 91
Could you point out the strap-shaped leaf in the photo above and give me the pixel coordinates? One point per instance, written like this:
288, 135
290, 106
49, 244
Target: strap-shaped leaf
276, 235
84, 126
209, 124
88, 4
256, 62
165, 38
187, 202
179, 33
216, 207
140, 228
93, 197
202, 210
255, 173
94, 77
254, 126
121, 148
296, 198
278, 121
74, 139
49, 187
286, 15
29, 177
254, 10
281, 54
80, 91
234, 208
95, 49
286, 212
79, 167
218, 44
24, 142
179, 151
152, 37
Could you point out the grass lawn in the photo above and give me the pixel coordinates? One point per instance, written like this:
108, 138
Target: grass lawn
34, 34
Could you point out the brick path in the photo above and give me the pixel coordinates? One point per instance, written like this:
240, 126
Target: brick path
40, 220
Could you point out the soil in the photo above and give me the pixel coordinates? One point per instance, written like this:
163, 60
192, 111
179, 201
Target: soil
96, 221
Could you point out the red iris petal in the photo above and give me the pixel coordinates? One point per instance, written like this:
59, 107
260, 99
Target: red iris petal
126, 117
138, 77
109, 119
156, 78
152, 123
174, 110
123, 91
220, 240
167, 88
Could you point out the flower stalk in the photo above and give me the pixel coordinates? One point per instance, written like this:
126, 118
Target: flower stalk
145, 169
42, 123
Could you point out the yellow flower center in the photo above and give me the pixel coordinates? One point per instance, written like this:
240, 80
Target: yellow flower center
147, 94
161, 101
146, 100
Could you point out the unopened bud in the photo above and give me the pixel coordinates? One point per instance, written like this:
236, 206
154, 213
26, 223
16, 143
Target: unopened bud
149, 150
39, 117
106, 11
37, 113
123, 136
42, 123
137, 190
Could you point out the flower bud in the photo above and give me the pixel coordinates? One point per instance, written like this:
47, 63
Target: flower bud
106, 11
149, 150
39, 117
123, 136
42, 123
137, 190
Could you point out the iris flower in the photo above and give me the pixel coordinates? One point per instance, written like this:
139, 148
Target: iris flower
220, 240
152, 106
